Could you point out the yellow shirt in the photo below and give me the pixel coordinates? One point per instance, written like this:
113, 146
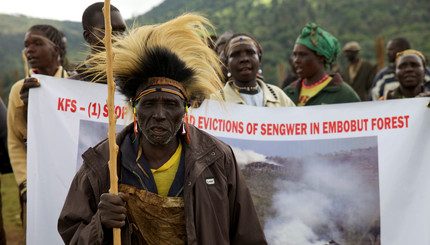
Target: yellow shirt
307, 93
165, 174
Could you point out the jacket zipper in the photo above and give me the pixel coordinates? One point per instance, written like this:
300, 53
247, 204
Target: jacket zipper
138, 177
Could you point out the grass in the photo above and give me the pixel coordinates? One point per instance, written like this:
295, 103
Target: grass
11, 210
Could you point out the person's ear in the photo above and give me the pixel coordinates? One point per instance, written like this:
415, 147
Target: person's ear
395, 73
56, 51
321, 59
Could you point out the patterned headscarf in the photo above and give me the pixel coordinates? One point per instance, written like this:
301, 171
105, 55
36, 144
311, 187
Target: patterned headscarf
411, 51
320, 41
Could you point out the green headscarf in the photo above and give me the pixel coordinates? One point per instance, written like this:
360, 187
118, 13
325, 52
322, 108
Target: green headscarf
320, 41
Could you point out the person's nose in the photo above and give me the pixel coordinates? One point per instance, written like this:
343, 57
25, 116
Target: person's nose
31, 48
296, 60
409, 68
159, 112
243, 57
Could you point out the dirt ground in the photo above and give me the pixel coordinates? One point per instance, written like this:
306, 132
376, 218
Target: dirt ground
14, 236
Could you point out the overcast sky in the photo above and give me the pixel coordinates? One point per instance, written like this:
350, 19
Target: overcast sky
72, 10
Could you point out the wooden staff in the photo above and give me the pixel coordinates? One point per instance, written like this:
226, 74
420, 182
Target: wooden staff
113, 147
380, 52
24, 58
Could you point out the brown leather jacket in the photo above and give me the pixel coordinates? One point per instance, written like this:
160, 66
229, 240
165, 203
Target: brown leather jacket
222, 213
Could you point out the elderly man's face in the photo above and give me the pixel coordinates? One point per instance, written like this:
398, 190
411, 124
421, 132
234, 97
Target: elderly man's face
160, 116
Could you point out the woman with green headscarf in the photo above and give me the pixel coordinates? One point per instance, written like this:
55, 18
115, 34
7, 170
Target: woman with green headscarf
314, 53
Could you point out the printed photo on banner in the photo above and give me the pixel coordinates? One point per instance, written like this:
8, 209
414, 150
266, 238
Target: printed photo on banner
90, 134
313, 191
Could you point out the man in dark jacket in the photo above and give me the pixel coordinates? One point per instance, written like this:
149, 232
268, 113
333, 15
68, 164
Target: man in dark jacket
178, 185
359, 73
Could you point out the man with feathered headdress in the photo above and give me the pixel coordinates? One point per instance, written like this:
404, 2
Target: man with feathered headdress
178, 185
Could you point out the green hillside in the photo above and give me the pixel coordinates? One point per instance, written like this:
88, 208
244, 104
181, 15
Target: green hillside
275, 23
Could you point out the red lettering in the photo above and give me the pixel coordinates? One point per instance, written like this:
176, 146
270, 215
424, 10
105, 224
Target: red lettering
60, 104
73, 109
395, 120
353, 126
207, 122
105, 110
119, 112
407, 118
215, 124
67, 104
240, 131
303, 129
200, 122
192, 120
290, 129
263, 129
390, 122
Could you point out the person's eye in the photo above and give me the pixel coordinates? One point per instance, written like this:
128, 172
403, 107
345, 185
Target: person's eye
171, 104
147, 104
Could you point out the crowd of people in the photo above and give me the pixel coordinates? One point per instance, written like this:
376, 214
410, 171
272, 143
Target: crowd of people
188, 178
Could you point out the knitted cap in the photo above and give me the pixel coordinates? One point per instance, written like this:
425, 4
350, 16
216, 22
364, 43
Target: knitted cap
352, 46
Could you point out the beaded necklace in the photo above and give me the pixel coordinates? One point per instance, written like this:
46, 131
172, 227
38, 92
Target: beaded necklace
247, 90
315, 84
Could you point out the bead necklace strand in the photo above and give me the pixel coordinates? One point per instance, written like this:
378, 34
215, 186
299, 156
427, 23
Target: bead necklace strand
315, 84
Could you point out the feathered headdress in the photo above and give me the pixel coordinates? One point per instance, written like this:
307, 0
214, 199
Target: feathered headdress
174, 53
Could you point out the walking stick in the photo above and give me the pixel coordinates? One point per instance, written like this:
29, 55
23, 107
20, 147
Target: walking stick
113, 147
24, 59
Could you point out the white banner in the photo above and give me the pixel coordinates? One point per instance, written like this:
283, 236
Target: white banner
342, 173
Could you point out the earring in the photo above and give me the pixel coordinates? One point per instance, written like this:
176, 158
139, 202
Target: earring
228, 74
260, 71
183, 128
134, 123
186, 122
